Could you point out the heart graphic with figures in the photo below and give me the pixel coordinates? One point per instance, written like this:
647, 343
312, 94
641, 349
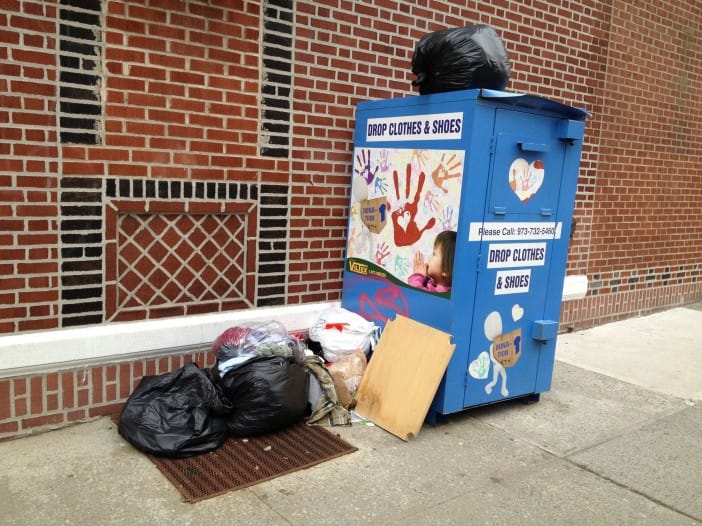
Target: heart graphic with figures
480, 367
525, 179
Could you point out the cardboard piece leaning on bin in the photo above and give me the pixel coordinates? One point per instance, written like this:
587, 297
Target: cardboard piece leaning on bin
403, 376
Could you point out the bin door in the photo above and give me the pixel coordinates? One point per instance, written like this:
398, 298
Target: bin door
517, 239
527, 153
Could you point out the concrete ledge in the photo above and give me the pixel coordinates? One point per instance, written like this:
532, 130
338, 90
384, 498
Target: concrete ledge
574, 287
42, 350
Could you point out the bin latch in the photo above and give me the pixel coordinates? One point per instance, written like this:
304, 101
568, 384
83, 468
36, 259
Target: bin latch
569, 130
544, 330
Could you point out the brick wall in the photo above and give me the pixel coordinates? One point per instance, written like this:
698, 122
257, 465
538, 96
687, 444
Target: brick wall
38, 402
642, 248
226, 129
29, 240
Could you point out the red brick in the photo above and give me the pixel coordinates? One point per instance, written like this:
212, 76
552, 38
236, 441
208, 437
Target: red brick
125, 380
76, 416
105, 410
52, 402
97, 383
83, 397
163, 365
111, 393
67, 386
45, 420
37, 395
20, 386
9, 427
5, 399
20, 407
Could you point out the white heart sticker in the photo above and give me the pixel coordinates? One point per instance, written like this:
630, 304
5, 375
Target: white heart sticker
404, 220
517, 312
480, 367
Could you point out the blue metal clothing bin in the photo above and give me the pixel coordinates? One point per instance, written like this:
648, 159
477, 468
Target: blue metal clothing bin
499, 169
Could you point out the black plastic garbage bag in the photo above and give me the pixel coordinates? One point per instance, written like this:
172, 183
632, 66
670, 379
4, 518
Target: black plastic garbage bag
460, 58
266, 394
175, 414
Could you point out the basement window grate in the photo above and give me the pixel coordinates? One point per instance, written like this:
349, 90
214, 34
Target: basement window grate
276, 82
80, 72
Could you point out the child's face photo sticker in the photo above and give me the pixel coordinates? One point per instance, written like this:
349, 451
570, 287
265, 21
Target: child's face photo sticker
404, 214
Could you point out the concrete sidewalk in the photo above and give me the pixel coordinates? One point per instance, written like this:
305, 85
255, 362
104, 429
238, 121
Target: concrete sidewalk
616, 441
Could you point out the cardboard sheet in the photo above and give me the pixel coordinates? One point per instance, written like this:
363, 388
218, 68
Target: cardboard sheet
403, 375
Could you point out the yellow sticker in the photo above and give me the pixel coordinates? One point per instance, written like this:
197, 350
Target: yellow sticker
374, 214
507, 348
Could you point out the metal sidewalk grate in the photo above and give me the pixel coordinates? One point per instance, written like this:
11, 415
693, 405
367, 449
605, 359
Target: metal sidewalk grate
239, 463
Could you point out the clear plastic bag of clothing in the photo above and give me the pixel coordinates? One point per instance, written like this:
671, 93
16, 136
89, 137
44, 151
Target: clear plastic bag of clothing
239, 344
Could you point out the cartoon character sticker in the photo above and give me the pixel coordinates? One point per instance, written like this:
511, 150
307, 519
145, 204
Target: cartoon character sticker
505, 349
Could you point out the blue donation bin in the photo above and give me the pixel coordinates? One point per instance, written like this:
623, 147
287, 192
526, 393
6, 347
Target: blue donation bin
500, 170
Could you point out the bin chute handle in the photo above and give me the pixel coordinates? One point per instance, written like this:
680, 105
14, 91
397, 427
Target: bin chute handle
533, 147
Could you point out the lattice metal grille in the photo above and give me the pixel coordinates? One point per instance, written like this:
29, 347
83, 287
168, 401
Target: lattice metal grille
179, 259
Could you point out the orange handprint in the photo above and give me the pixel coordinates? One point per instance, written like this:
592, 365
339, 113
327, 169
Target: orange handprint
445, 171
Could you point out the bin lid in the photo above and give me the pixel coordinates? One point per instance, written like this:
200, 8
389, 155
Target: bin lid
524, 100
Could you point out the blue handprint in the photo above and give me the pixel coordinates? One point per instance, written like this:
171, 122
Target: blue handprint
381, 186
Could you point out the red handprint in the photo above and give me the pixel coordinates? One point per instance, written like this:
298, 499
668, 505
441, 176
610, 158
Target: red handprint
405, 229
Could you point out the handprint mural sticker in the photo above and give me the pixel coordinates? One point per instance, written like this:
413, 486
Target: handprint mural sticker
404, 214
525, 179
365, 169
398, 208
444, 171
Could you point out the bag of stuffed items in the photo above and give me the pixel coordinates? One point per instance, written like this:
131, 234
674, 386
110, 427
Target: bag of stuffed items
261, 376
460, 58
175, 414
259, 385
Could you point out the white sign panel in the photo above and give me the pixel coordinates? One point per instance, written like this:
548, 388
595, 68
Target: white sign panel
512, 281
522, 231
508, 255
431, 127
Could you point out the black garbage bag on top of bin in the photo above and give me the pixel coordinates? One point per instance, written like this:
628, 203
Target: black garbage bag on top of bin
460, 58
175, 414
266, 393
